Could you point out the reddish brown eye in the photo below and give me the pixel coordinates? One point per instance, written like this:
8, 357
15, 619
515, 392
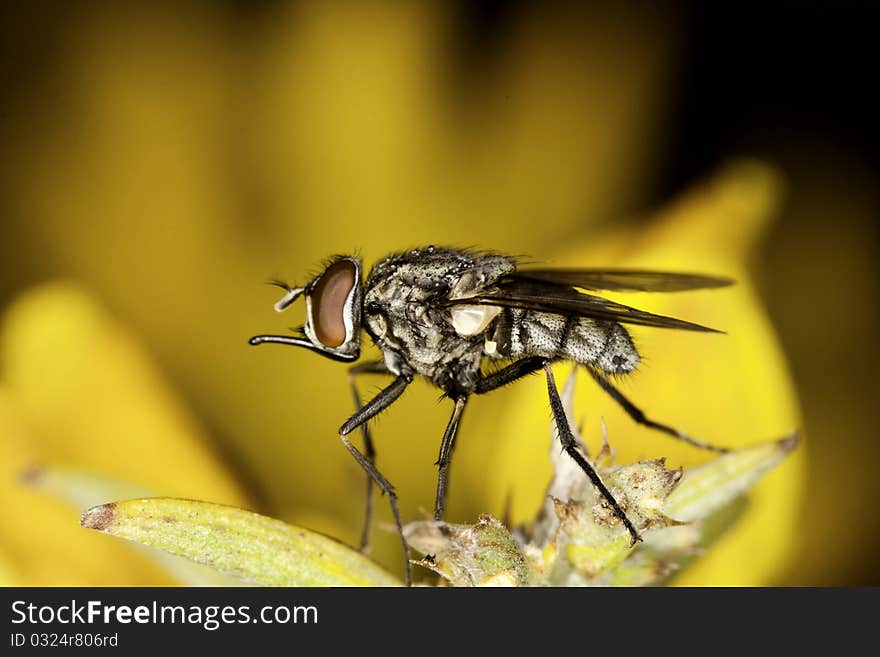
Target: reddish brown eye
328, 302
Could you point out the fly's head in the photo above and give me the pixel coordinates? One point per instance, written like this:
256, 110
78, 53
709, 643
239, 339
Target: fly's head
333, 311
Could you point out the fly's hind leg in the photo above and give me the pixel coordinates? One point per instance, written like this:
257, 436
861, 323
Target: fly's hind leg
370, 367
371, 409
569, 444
639, 416
521, 368
510, 373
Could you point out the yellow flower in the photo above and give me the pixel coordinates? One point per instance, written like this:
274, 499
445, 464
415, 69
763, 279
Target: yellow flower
78, 391
187, 168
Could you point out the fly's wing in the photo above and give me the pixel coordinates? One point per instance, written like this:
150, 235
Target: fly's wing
622, 280
515, 292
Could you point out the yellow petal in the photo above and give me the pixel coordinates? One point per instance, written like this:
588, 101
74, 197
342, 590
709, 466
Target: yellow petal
93, 399
78, 391
41, 542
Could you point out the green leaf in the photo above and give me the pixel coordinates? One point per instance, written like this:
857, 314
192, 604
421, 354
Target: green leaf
255, 548
710, 487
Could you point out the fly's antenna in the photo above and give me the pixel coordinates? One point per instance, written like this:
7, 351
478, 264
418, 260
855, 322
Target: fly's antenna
291, 295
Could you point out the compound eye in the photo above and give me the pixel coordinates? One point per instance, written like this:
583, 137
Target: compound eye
328, 302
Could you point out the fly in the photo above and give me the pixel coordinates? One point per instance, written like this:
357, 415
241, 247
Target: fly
443, 313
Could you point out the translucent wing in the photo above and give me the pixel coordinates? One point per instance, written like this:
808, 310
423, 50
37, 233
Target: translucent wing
564, 300
623, 280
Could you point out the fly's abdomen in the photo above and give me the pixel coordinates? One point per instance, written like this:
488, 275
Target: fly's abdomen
602, 344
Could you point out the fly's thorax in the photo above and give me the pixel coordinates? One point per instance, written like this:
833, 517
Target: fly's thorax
460, 272
407, 314
418, 335
406, 296
396, 314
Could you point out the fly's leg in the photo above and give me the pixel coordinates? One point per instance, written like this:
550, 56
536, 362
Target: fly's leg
372, 408
526, 366
639, 416
370, 455
570, 446
486, 384
516, 370
370, 367
443, 461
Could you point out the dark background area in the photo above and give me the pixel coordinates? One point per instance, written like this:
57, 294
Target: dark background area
762, 76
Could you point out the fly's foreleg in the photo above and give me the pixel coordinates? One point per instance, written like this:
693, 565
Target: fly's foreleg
370, 410
370, 367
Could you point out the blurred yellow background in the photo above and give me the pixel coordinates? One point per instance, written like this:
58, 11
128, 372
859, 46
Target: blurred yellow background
160, 162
